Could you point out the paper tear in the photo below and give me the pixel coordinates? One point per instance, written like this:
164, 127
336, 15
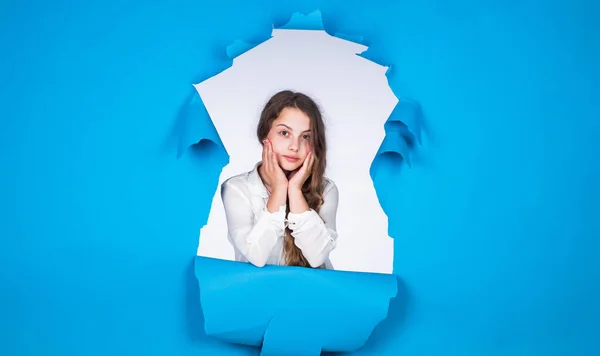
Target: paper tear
403, 134
238, 48
290, 310
300, 311
300, 21
351, 38
356, 101
408, 114
195, 125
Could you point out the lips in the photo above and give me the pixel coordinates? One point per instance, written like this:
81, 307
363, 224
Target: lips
291, 159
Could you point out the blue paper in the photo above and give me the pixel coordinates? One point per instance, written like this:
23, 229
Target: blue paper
351, 38
301, 21
395, 142
292, 310
408, 114
402, 135
195, 125
238, 47
99, 223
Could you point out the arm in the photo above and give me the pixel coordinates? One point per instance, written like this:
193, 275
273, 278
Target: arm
255, 241
314, 234
298, 204
276, 200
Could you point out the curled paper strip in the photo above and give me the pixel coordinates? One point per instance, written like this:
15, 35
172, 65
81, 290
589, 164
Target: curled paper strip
407, 114
395, 142
402, 134
291, 310
195, 125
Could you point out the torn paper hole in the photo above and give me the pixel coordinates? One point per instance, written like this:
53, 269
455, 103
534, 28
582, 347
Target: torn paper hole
355, 100
294, 310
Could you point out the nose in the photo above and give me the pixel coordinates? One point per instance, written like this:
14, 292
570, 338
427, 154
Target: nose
293, 145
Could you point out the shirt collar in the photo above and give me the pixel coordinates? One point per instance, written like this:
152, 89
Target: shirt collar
255, 182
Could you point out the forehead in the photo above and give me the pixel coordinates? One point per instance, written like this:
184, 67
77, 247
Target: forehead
294, 118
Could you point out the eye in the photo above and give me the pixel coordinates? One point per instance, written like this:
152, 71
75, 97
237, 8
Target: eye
283, 133
306, 137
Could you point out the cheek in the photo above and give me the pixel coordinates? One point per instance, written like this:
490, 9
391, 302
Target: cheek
305, 147
279, 145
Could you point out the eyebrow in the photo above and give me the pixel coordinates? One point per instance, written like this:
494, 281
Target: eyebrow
289, 128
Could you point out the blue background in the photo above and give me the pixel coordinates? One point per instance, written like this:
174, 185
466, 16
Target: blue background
495, 225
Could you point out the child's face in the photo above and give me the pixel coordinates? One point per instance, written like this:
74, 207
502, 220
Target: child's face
290, 137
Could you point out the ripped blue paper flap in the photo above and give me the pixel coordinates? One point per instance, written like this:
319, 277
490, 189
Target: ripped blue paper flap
238, 47
395, 142
291, 310
294, 310
195, 125
300, 21
351, 38
408, 113
402, 134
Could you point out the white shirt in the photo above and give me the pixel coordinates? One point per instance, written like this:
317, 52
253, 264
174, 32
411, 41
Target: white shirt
257, 234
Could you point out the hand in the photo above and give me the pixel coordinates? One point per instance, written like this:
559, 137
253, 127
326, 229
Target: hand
273, 175
298, 177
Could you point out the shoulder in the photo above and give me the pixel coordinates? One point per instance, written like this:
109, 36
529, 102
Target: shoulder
330, 189
237, 183
237, 180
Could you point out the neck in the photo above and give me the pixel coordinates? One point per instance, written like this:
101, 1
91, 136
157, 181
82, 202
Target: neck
261, 174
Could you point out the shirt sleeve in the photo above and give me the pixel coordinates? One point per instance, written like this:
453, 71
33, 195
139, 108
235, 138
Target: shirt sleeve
254, 240
315, 233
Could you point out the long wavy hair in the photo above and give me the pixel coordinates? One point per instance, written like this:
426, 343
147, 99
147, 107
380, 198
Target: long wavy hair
315, 184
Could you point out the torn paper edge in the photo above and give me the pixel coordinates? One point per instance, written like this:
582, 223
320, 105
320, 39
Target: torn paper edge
402, 128
406, 114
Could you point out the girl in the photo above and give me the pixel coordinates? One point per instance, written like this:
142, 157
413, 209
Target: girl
283, 211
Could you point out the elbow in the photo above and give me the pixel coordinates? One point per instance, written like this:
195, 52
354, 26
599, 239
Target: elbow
318, 260
251, 249
256, 258
314, 264
257, 262
318, 257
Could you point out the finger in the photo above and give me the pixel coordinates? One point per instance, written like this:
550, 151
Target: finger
264, 152
271, 152
274, 162
306, 164
308, 161
269, 155
302, 168
272, 159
